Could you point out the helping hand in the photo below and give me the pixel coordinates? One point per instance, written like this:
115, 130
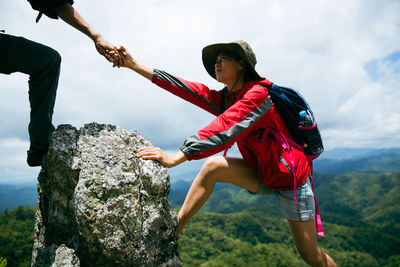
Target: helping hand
105, 49
127, 60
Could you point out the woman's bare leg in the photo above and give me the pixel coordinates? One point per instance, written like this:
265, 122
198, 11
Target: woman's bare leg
305, 237
215, 169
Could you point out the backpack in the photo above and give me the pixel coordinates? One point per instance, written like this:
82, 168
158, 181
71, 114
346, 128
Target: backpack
289, 103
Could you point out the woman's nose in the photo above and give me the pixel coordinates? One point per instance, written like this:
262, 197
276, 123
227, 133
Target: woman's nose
218, 62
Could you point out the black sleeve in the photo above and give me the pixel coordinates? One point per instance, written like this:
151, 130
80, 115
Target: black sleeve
47, 6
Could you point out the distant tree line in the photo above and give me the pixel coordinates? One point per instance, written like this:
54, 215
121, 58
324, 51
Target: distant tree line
16, 235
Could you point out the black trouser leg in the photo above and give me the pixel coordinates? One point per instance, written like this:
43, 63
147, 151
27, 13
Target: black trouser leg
42, 64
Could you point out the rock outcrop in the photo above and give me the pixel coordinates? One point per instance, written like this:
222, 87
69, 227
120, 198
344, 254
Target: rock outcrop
100, 205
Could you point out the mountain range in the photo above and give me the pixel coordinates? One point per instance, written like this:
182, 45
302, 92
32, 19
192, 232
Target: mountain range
342, 160
335, 161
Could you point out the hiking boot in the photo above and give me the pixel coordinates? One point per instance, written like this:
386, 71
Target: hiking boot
35, 157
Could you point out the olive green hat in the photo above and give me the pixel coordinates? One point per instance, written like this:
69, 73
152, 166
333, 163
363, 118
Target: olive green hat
240, 48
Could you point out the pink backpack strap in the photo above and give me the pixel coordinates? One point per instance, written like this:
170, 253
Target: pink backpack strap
318, 220
226, 150
286, 144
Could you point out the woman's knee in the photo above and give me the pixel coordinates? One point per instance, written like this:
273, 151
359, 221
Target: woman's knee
212, 165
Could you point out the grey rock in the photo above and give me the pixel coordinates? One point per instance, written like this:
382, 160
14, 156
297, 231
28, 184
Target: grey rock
65, 257
105, 205
57, 256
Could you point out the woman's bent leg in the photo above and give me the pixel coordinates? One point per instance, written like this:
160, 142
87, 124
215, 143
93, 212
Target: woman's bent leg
305, 238
215, 169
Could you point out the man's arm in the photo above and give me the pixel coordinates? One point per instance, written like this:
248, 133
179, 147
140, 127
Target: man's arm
71, 16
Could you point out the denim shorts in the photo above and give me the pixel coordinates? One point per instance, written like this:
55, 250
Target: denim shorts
304, 210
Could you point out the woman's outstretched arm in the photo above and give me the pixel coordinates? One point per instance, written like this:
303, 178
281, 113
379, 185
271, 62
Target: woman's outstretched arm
153, 153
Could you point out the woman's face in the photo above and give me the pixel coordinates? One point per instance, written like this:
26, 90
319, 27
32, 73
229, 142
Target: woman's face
227, 68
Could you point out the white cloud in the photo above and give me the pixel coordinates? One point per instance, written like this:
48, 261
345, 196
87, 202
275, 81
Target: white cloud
315, 46
13, 162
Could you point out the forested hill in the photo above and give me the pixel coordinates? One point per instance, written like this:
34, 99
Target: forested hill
360, 213
354, 198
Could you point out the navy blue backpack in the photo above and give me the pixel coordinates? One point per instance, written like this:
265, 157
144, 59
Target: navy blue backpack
290, 104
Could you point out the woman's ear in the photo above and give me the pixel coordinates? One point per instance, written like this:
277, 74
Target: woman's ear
242, 64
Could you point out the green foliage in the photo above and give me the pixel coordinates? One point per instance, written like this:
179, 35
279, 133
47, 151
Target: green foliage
353, 259
16, 235
259, 239
212, 238
3, 262
258, 255
378, 242
393, 261
233, 199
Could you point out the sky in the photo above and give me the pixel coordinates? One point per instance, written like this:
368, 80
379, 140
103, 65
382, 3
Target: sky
344, 58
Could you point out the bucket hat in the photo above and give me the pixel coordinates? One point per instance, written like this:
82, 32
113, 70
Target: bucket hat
240, 48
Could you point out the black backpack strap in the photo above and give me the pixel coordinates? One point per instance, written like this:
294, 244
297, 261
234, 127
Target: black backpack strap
223, 102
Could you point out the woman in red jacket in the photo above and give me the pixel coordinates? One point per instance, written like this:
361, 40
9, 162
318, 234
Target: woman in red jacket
243, 111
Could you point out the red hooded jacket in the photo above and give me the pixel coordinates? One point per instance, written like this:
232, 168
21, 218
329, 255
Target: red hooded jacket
242, 117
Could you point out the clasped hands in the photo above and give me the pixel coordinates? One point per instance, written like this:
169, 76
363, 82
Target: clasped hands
109, 51
118, 56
